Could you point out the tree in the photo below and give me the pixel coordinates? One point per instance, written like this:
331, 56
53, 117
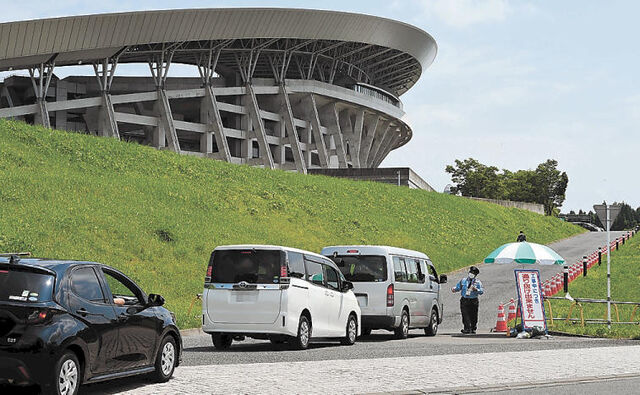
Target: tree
551, 186
545, 185
626, 219
472, 178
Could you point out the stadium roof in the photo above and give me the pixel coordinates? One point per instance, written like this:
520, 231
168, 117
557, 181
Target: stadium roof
373, 50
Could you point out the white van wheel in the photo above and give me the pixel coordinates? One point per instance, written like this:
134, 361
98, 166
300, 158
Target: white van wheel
402, 332
301, 341
432, 329
352, 331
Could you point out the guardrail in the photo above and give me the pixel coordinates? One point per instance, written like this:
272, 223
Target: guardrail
579, 301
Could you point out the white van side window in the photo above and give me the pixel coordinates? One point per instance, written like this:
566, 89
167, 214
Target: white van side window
432, 270
399, 269
332, 278
296, 264
315, 274
413, 270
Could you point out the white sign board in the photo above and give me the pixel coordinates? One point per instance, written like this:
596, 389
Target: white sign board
530, 298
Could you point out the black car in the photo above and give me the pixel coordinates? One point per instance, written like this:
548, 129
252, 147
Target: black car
66, 323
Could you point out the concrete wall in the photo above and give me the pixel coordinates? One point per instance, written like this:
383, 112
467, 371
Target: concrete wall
533, 207
388, 175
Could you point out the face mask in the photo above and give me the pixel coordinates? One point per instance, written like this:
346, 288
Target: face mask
471, 275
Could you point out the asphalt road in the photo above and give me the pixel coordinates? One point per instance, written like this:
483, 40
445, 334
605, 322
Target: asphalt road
499, 280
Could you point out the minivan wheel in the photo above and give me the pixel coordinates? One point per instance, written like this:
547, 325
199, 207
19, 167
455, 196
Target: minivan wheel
221, 341
402, 332
352, 331
165, 360
432, 329
301, 341
67, 376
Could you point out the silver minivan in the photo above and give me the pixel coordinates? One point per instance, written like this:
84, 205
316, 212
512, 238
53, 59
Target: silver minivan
397, 289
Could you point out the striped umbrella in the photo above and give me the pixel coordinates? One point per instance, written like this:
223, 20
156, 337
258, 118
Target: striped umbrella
523, 252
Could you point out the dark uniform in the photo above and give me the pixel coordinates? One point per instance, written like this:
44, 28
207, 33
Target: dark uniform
471, 288
521, 237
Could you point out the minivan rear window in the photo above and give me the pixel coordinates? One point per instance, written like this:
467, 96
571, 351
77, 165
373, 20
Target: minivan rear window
25, 286
252, 266
362, 268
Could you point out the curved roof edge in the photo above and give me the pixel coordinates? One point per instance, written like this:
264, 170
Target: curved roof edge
34, 38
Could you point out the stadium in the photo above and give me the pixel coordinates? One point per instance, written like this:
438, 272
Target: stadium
290, 89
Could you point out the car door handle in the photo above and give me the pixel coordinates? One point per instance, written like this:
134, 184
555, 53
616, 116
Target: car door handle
84, 312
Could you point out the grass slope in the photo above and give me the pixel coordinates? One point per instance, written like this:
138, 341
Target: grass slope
157, 215
625, 276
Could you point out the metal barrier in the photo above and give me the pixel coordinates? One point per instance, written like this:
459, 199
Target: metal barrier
193, 301
578, 302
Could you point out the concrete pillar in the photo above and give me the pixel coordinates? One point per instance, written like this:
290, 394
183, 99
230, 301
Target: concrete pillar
61, 95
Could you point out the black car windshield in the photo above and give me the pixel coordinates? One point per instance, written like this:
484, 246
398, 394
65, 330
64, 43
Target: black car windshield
362, 268
253, 266
24, 286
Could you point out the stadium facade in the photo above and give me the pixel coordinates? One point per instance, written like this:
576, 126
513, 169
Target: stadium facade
281, 88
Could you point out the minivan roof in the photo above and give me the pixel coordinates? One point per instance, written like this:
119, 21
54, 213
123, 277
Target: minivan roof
267, 247
369, 249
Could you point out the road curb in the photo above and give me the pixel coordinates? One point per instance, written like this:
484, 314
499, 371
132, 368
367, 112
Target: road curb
191, 332
516, 386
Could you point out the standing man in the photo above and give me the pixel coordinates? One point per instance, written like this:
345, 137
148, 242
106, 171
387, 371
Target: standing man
521, 237
470, 288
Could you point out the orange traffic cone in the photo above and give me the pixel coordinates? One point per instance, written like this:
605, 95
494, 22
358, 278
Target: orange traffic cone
547, 290
512, 310
501, 324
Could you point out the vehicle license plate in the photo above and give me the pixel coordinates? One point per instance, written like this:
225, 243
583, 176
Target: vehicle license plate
245, 297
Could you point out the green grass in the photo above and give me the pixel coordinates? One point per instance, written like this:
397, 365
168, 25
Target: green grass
625, 287
157, 215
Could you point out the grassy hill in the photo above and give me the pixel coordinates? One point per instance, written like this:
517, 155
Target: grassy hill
157, 215
625, 273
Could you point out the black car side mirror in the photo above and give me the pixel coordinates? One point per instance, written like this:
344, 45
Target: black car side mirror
443, 279
155, 300
347, 285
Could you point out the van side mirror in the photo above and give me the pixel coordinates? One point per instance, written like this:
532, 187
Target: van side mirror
443, 279
347, 285
155, 300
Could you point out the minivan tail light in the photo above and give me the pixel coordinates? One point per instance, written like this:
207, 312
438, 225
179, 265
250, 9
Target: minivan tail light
352, 251
390, 295
284, 272
209, 271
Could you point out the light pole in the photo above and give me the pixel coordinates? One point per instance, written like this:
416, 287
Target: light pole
608, 265
608, 213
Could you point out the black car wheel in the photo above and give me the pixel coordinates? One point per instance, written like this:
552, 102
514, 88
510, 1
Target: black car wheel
301, 342
67, 376
352, 331
165, 360
402, 332
432, 329
221, 341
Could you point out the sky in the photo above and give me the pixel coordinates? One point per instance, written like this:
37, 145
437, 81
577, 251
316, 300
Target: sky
514, 83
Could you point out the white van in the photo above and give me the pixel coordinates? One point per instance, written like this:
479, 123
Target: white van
276, 293
397, 289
